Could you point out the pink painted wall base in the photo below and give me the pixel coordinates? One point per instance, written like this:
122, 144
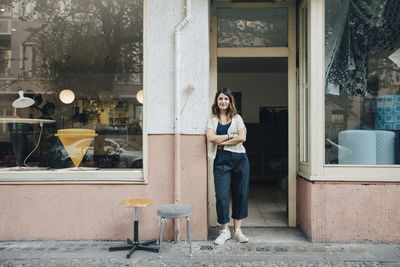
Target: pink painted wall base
349, 211
91, 212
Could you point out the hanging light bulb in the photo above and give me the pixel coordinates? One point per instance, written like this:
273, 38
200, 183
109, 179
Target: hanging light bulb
67, 96
139, 96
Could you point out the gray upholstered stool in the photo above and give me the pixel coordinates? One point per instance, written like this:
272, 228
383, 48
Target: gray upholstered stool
174, 211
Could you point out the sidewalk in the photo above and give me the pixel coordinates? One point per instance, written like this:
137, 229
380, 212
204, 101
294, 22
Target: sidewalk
295, 252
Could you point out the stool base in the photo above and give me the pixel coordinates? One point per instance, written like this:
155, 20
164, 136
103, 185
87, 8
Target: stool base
133, 246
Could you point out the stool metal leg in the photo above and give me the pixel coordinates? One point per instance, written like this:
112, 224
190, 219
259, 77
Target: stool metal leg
188, 235
161, 232
135, 227
131, 252
135, 244
148, 242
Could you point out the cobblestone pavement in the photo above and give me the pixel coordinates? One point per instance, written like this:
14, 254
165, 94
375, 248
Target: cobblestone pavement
205, 254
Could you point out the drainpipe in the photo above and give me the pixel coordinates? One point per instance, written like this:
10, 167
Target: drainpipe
182, 24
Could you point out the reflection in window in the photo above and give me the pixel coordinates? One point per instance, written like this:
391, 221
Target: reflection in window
250, 27
92, 48
362, 74
5, 62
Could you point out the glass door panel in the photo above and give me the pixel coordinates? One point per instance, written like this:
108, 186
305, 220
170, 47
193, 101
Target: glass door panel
252, 27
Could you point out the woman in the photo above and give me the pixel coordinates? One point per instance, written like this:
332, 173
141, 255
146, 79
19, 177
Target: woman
226, 133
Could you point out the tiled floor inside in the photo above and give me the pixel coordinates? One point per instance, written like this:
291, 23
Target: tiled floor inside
267, 221
267, 205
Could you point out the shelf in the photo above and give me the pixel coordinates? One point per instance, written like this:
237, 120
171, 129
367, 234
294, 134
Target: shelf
118, 117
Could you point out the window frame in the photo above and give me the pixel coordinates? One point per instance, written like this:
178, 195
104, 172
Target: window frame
319, 171
102, 176
304, 141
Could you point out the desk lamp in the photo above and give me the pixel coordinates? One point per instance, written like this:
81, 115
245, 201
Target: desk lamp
22, 102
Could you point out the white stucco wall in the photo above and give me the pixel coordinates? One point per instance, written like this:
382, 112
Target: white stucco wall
161, 19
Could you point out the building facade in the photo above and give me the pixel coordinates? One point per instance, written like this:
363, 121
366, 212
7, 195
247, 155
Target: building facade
316, 82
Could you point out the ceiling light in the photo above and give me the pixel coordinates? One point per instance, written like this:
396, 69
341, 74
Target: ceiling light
67, 96
139, 96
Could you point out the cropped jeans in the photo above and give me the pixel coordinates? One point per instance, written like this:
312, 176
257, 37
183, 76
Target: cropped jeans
231, 172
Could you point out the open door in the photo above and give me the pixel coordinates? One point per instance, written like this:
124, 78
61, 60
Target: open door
257, 62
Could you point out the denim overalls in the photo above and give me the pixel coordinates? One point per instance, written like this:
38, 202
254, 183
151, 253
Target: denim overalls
231, 171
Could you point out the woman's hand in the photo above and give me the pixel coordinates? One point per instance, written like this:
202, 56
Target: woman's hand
212, 137
235, 138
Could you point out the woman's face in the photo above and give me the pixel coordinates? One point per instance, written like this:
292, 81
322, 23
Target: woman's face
223, 101
50, 111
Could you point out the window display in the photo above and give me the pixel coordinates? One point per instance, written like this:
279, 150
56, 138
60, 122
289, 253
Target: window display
362, 75
78, 66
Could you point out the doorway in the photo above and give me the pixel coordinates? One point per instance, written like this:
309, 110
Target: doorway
238, 44
260, 88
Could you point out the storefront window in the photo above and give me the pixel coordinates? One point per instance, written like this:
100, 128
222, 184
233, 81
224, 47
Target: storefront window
362, 82
79, 64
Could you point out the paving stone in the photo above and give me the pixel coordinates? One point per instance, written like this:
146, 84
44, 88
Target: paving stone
318, 249
205, 253
281, 249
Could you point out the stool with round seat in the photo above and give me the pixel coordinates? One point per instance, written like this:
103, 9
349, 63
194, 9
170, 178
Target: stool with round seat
175, 211
136, 244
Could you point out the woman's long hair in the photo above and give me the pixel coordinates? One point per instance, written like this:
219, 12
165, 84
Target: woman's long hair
232, 111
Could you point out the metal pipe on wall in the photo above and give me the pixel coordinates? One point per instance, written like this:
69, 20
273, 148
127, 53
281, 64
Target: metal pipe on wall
182, 24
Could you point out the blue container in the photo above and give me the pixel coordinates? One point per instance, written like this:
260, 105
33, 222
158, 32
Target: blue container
357, 147
397, 108
396, 117
385, 149
396, 126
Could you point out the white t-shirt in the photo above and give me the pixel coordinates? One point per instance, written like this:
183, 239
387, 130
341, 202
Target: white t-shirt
236, 125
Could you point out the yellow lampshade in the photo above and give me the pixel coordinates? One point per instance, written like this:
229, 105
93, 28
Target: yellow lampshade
76, 142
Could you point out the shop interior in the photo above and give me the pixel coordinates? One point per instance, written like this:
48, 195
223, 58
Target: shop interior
260, 88
84, 86
70, 129
362, 74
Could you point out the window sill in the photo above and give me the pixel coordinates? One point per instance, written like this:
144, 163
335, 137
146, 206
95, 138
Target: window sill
70, 176
356, 173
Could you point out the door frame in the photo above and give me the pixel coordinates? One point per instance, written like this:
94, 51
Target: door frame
288, 52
